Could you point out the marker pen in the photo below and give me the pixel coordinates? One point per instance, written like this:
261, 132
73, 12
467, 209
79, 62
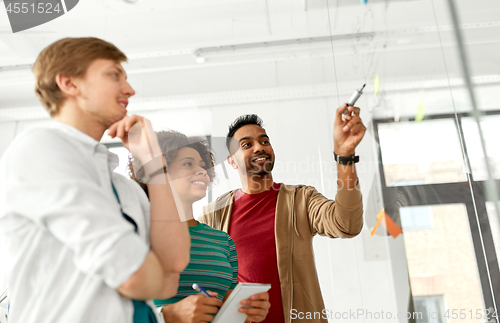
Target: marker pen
352, 101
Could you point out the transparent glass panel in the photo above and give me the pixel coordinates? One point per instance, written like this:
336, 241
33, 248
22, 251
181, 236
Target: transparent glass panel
490, 125
293, 63
122, 169
494, 225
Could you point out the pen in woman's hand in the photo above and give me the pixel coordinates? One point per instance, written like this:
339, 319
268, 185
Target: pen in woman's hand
200, 289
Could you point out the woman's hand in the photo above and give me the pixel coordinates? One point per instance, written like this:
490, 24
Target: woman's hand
193, 309
259, 307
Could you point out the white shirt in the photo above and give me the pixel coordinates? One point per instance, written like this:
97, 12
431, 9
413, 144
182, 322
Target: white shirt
63, 238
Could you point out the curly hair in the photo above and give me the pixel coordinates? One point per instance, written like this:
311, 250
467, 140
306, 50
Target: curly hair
170, 142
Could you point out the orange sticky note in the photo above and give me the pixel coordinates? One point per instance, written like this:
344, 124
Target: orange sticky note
392, 228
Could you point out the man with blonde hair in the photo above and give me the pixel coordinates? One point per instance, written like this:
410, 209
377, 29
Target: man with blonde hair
80, 242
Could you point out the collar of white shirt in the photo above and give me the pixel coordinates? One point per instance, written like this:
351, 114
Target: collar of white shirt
88, 144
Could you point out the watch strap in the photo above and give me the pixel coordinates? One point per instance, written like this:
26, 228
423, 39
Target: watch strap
155, 163
346, 160
146, 178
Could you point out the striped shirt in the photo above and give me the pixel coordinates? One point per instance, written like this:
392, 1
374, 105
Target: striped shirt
213, 264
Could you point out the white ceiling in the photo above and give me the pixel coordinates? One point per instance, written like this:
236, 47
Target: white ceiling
407, 43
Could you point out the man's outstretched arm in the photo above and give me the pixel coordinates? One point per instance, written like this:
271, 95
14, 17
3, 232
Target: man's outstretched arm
342, 217
347, 135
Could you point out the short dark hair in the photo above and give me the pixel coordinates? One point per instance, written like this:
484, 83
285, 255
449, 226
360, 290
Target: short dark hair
170, 142
241, 121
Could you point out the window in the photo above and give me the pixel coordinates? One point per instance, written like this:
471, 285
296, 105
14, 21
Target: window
414, 151
431, 307
416, 218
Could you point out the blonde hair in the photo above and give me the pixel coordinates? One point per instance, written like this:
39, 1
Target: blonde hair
69, 57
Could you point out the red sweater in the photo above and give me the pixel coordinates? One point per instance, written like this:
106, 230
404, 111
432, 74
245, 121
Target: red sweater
252, 229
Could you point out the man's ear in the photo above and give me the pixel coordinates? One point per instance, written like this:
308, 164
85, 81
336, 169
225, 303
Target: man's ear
67, 85
230, 160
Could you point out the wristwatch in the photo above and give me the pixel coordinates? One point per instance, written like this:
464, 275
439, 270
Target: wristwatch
146, 178
346, 160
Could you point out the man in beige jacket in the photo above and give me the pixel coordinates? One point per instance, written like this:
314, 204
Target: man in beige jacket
273, 224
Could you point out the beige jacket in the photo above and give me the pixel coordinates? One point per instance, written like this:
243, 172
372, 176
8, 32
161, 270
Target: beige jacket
301, 213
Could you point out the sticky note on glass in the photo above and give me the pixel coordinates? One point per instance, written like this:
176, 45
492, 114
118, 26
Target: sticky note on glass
392, 228
421, 108
420, 113
376, 84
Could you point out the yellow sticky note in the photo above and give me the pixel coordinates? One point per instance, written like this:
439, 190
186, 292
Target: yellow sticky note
376, 84
421, 107
379, 217
420, 112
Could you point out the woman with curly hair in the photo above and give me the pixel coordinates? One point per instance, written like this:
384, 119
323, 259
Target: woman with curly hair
213, 262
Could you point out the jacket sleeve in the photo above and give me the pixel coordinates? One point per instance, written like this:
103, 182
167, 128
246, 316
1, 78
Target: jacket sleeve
218, 212
342, 217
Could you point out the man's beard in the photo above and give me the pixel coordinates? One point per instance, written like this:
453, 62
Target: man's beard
262, 169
